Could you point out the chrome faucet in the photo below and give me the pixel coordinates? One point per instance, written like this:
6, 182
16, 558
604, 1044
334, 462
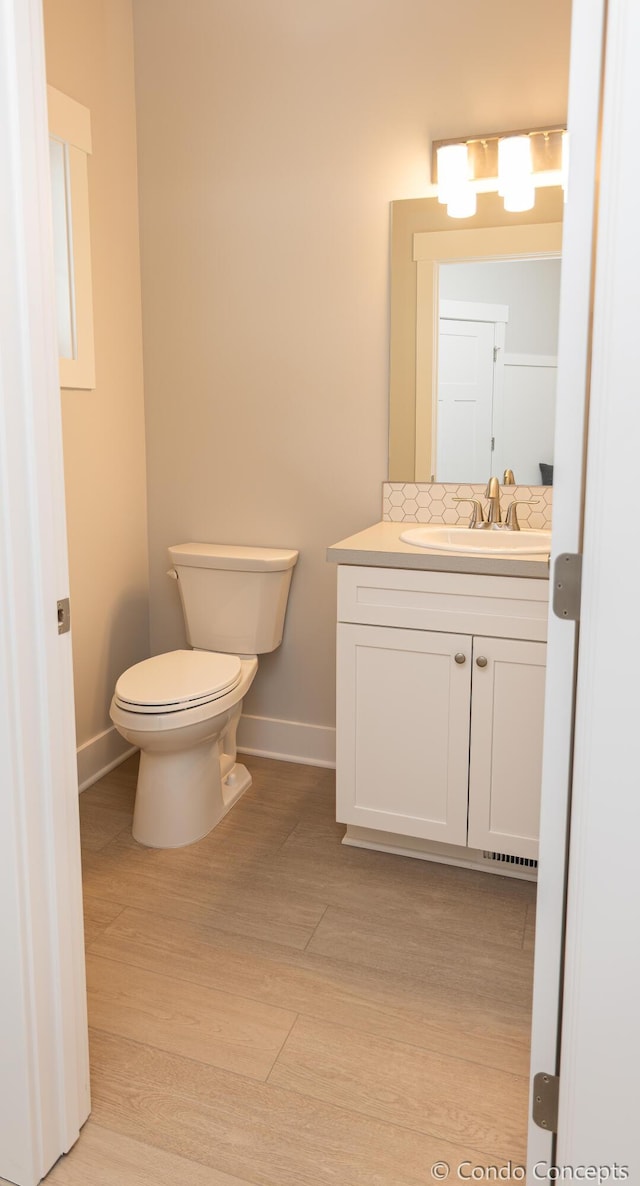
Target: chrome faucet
492, 492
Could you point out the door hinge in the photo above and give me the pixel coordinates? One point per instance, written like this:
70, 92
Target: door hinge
64, 616
546, 1089
567, 586
493, 444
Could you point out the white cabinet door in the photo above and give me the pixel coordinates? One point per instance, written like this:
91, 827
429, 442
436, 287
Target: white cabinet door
506, 745
403, 731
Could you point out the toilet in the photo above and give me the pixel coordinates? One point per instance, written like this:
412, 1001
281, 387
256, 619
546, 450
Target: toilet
182, 709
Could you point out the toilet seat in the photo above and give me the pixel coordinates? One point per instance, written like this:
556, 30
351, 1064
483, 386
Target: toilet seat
176, 681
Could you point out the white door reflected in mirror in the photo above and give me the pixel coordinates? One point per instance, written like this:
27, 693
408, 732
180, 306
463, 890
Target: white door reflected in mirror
466, 359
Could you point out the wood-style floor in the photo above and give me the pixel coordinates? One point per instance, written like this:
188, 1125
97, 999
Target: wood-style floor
271, 1008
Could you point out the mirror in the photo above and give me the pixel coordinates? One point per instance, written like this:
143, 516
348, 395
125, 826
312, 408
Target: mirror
69, 148
496, 370
472, 382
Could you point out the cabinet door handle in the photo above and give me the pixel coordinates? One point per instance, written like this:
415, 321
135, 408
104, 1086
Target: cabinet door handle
481, 661
460, 657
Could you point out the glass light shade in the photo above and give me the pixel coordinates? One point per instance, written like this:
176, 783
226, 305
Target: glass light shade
565, 162
462, 202
514, 163
520, 197
453, 170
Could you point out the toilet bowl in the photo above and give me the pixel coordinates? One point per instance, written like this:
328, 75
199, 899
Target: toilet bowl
188, 777
182, 708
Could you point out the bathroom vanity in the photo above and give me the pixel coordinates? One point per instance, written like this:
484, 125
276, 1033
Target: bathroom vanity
440, 690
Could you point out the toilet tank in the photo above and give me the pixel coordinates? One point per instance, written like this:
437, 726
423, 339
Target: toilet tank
234, 599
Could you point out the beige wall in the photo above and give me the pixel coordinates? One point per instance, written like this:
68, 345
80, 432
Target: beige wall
273, 135
89, 47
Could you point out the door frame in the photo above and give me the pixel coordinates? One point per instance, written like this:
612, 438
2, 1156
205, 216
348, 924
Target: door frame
44, 1073
572, 409
44, 1095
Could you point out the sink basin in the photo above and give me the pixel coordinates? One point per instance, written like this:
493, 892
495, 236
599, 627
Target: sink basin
484, 543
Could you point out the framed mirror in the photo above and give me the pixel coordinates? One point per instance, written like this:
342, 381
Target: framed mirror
498, 276
69, 148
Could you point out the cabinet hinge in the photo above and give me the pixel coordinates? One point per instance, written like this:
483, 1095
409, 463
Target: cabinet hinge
64, 616
567, 586
495, 353
546, 1089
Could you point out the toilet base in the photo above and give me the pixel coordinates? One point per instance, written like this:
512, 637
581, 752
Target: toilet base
181, 797
188, 778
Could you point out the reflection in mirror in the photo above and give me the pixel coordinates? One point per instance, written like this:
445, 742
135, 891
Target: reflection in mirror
496, 369
61, 215
69, 149
511, 263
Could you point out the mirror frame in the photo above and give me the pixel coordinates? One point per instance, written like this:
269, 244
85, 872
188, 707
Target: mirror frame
423, 237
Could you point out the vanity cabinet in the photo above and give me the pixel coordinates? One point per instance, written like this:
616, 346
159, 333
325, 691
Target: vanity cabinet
440, 707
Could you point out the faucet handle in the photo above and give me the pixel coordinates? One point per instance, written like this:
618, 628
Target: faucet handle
477, 514
511, 521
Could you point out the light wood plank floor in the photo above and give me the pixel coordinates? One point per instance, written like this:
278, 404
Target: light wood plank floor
271, 1008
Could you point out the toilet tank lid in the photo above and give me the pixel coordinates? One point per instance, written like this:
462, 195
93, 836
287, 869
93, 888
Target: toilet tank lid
232, 556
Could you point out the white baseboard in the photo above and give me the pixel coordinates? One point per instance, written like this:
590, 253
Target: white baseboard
287, 741
99, 755
266, 737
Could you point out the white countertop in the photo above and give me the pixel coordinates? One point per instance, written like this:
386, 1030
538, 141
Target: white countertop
381, 547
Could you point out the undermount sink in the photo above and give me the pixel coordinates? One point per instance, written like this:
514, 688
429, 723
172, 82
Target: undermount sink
489, 542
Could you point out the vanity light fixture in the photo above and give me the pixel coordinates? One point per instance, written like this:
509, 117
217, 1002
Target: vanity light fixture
513, 163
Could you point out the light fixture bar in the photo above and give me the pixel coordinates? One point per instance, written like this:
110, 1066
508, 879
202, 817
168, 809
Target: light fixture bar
482, 151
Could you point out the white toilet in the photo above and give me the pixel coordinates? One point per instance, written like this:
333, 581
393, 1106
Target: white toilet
182, 709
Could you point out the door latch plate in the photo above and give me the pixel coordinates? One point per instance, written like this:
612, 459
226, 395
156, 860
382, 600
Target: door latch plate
546, 1089
567, 586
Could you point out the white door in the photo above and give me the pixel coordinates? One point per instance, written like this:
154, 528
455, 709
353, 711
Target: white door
44, 1071
600, 1048
465, 400
505, 774
403, 731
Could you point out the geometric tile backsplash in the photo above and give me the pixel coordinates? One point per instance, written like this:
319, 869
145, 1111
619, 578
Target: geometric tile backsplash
432, 502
